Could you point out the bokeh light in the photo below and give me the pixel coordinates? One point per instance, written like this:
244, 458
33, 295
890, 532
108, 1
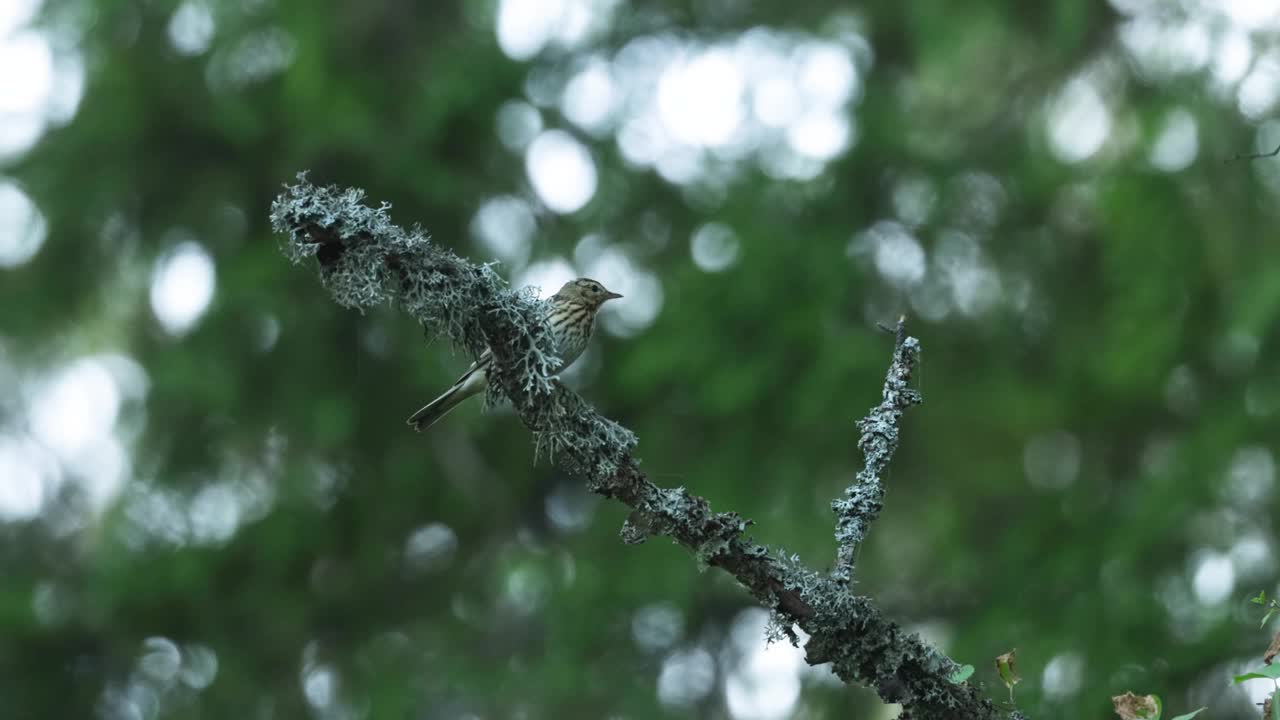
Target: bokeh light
561, 170
191, 28
182, 287
1079, 121
22, 227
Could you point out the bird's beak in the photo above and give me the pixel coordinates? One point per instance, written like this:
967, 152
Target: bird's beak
611, 296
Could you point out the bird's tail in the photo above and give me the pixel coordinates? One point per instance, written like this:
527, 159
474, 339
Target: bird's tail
473, 381
438, 408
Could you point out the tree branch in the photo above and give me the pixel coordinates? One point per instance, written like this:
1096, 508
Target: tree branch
365, 260
864, 499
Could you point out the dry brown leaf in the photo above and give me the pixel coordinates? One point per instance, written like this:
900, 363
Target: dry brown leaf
1273, 650
1005, 669
1135, 707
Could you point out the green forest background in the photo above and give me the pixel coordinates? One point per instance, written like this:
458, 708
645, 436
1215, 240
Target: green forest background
210, 505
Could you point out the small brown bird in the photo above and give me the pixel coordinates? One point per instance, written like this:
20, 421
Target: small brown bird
571, 314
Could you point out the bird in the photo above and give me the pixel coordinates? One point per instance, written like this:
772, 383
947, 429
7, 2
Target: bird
571, 314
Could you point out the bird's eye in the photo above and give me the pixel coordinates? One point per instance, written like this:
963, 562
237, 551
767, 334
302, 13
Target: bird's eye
595, 288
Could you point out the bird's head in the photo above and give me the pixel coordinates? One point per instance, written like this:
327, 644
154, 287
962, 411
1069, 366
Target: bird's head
587, 292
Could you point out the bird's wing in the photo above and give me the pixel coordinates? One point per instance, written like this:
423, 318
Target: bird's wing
486, 358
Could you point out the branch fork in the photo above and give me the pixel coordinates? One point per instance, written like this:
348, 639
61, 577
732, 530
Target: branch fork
365, 260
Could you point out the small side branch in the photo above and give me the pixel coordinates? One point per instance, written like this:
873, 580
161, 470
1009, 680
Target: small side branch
864, 499
1255, 156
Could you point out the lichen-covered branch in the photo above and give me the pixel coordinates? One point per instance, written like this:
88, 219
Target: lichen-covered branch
864, 499
365, 261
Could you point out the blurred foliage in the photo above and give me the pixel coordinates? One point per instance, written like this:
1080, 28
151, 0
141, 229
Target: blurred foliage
1091, 478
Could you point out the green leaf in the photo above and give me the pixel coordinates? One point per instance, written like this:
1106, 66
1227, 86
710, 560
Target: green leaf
1190, 715
1267, 617
1159, 707
1261, 598
962, 674
1266, 672
1004, 666
1275, 705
